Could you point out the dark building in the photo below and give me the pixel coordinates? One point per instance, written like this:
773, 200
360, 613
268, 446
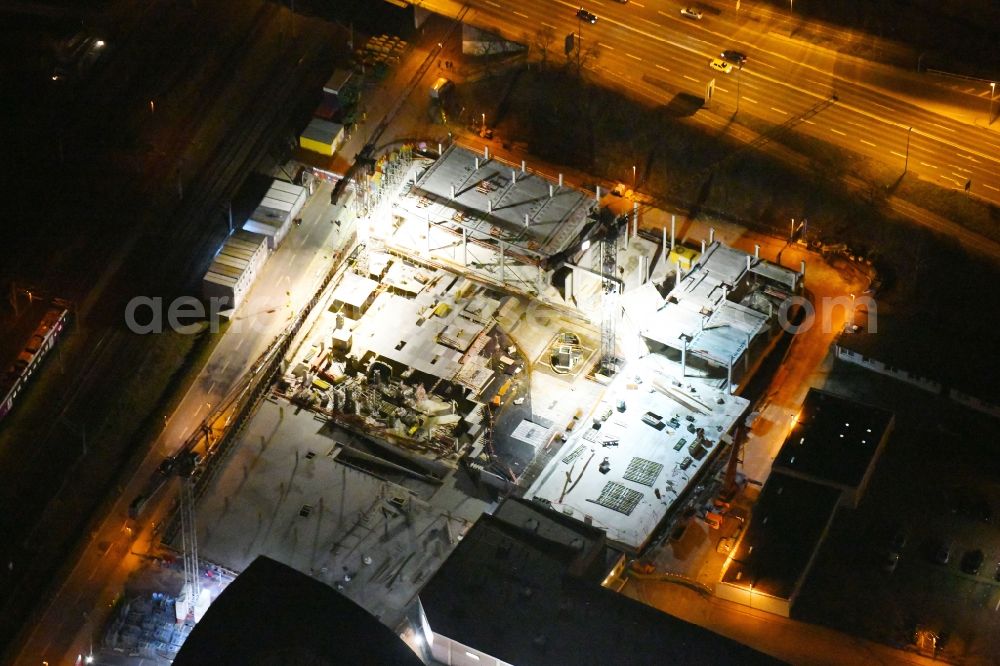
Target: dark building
523, 587
772, 559
274, 615
837, 442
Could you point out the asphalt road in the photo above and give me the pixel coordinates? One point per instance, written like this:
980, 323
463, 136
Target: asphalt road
650, 48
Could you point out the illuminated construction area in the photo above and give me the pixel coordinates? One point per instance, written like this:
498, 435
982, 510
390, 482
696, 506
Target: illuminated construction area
492, 329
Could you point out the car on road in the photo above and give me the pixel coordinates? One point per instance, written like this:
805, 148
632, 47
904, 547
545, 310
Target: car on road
584, 15
972, 561
721, 66
735, 57
519, 401
691, 13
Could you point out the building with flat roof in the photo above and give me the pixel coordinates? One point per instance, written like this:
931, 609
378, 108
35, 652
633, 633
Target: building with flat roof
354, 295
653, 435
773, 556
523, 587
274, 214
322, 136
837, 442
234, 268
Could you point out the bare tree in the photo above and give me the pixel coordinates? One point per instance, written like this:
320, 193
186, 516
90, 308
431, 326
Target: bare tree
543, 43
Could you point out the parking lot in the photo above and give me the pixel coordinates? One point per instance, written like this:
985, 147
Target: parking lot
935, 492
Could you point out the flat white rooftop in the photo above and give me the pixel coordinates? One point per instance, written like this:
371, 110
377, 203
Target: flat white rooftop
643, 458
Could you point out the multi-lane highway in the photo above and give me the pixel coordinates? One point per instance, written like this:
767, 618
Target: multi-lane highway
650, 48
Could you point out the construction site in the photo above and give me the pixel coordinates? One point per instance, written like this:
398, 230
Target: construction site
490, 332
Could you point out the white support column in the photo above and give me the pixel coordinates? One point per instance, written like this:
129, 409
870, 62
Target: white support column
666, 250
749, 260
440, 151
486, 152
756, 250
489, 206
453, 192
513, 175
729, 376
552, 192
560, 180
524, 167
684, 354
465, 248
711, 234
635, 218
477, 164
597, 194
673, 231
527, 219
703, 246
677, 274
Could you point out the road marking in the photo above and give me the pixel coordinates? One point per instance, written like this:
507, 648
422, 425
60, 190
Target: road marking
997, 189
634, 57
893, 152
240, 343
751, 100
779, 110
226, 364
665, 14
522, 14
809, 121
968, 157
490, 2
883, 106
957, 174
652, 23
868, 143
955, 166
838, 131
943, 127
663, 68
968, 90
722, 89
929, 165
210, 387
605, 46
548, 25
638, 5
690, 79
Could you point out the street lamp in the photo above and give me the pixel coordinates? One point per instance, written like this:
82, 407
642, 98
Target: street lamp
906, 162
993, 88
484, 122
633, 176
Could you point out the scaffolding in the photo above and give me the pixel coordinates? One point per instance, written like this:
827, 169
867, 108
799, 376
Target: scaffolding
380, 183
